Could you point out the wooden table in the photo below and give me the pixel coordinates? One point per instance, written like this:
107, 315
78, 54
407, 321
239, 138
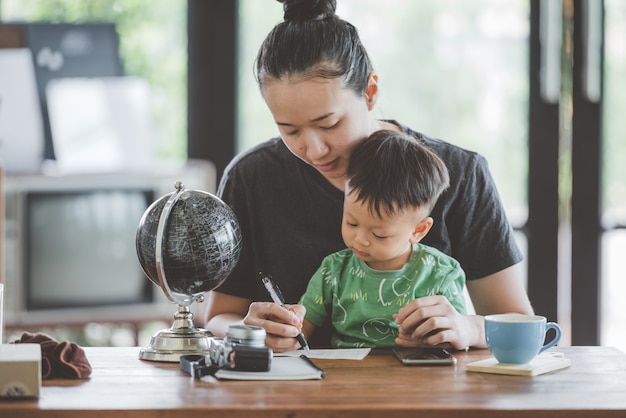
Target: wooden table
378, 386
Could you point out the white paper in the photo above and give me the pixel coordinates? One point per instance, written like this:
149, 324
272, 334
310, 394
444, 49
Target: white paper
331, 353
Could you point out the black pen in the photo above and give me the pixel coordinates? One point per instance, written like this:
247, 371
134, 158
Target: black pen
278, 299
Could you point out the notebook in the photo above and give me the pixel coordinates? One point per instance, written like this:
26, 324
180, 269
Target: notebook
283, 368
543, 363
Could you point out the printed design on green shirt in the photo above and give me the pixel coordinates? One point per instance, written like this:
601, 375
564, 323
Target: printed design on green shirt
440, 283
339, 306
378, 329
328, 277
400, 287
357, 271
330, 281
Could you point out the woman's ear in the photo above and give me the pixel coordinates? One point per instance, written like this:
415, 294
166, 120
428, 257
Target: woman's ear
372, 90
421, 229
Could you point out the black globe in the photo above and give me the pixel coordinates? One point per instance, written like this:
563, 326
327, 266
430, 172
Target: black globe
201, 242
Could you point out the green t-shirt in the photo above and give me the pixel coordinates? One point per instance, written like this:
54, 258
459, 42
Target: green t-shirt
361, 300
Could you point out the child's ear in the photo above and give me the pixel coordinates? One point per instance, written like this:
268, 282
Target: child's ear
421, 229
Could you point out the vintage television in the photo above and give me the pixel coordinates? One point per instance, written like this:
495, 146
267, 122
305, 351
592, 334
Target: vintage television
70, 253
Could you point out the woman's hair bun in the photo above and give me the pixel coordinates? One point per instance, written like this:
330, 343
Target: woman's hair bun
301, 10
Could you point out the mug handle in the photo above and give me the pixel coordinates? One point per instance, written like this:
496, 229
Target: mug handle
557, 337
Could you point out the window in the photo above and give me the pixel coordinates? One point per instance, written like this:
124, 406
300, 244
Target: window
614, 172
153, 45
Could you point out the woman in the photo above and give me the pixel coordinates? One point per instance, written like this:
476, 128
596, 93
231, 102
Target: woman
318, 82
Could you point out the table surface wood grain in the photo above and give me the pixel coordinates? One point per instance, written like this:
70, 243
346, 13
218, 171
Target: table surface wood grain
121, 385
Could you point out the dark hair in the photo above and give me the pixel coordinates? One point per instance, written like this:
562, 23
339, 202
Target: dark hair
313, 41
392, 171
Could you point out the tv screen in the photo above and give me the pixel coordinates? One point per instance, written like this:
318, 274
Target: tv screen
80, 248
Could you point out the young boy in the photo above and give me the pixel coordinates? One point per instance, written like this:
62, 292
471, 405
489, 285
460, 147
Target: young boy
392, 184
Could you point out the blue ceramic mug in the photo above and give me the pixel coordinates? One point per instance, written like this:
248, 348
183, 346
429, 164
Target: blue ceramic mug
517, 338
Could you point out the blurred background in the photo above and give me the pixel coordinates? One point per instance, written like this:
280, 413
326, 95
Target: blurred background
535, 86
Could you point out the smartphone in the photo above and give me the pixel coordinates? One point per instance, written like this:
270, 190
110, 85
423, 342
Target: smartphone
424, 356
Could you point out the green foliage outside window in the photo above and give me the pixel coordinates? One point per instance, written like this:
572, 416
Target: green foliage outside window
153, 46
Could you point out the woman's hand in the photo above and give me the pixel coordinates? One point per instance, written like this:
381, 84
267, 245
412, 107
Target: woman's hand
433, 321
281, 324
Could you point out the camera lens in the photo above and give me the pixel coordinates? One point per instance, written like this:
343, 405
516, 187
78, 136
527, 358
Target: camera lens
246, 335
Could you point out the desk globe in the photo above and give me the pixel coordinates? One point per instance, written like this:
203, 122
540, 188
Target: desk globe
187, 242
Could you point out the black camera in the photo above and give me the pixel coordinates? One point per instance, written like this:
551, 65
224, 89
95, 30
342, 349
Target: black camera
242, 349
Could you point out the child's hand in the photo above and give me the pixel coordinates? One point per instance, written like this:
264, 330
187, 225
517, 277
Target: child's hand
431, 321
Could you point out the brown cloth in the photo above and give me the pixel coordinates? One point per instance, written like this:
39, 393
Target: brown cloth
65, 360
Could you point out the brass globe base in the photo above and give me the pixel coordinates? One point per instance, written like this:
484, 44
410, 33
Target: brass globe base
181, 339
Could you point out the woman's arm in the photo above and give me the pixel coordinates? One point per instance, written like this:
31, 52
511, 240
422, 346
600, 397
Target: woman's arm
281, 324
224, 310
500, 292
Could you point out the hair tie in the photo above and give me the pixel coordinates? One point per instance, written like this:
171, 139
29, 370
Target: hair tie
301, 10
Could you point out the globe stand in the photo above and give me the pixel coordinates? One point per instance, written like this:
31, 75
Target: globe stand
183, 337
